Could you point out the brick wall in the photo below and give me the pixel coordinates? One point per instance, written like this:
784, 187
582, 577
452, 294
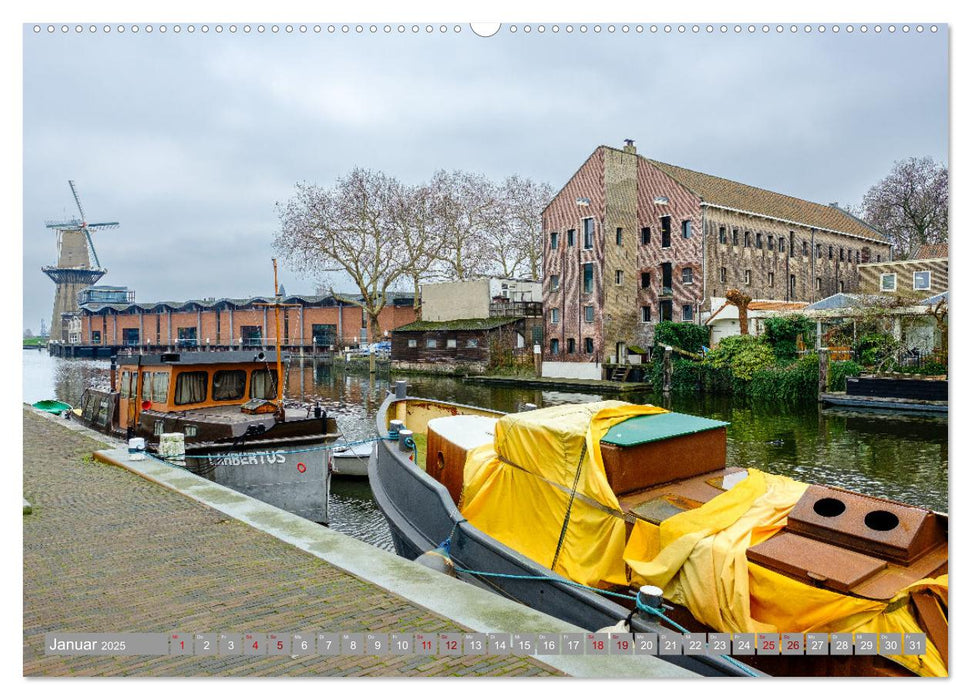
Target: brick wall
562, 215
223, 326
817, 274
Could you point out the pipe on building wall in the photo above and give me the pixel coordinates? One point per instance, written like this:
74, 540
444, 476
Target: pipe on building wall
815, 256
704, 265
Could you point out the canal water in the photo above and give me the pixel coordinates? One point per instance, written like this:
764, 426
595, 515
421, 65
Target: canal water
904, 459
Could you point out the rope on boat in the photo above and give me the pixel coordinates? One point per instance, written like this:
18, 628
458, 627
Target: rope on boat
652, 611
311, 448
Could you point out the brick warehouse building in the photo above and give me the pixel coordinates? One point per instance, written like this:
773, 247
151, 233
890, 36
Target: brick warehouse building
630, 241
323, 321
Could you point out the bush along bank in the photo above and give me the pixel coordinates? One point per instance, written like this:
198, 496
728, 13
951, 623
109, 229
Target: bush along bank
763, 368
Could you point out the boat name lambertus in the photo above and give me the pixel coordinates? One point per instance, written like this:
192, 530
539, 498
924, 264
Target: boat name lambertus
237, 459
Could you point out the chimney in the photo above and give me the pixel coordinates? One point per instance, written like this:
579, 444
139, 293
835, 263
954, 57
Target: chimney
629, 146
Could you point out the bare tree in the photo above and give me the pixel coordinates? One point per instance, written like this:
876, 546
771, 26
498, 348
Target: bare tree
345, 229
465, 216
522, 225
412, 215
910, 205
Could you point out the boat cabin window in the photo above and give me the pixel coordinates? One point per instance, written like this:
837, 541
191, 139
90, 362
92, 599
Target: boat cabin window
190, 387
263, 384
126, 385
158, 391
228, 384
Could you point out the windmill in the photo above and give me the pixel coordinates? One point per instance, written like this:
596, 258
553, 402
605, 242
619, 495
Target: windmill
74, 270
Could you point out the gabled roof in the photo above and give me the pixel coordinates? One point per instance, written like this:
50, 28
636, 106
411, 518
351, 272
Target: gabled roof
757, 309
849, 301
718, 191
929, 251
462, 324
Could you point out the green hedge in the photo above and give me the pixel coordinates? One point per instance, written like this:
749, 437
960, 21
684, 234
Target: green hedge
839, 371
687, 336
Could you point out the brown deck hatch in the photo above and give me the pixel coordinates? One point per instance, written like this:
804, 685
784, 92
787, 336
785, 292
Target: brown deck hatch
813, 562
866, 524
663, 507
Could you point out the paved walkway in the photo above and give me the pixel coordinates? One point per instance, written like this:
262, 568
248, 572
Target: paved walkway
106, 550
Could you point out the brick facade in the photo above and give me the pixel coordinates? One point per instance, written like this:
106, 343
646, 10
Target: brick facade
661, 249
220, 323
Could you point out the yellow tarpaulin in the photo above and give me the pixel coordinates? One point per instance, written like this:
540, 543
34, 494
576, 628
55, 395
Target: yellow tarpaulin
519, 489
699, 558
547, 463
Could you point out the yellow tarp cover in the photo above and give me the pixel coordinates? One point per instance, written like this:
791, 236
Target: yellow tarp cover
518, 491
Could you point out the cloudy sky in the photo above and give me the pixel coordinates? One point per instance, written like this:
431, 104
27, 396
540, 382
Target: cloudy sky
190, 140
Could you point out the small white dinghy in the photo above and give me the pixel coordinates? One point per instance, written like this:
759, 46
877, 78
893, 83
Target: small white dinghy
351, 460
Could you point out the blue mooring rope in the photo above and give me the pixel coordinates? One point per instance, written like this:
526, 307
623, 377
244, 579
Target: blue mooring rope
654, 612
313, 448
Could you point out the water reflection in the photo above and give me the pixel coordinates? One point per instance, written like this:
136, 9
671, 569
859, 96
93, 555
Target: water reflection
904, 459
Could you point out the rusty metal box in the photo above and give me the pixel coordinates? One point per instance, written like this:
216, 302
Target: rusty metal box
654, 449
874, 526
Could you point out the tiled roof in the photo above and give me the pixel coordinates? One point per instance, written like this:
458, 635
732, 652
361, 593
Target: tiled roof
776, 305
929, 251
462, 324
734, 195
757, 309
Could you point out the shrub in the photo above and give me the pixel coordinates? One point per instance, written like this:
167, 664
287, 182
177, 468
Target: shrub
687, 336
839, 371
798, 381
873, 348
742, 355
781, 333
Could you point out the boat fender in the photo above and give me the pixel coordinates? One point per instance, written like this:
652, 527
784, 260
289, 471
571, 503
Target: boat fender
437, 560
622, 627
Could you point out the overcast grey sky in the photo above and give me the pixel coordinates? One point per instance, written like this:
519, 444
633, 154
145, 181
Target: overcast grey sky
190, 140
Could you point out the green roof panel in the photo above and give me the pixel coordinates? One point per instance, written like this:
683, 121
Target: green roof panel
657, 426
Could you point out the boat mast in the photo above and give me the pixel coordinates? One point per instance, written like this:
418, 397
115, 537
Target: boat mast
279, 349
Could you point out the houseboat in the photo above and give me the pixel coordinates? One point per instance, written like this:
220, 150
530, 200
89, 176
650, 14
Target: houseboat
238, 429
579, 510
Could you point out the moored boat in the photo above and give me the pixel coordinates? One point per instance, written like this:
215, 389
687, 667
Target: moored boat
237, 429
52, 406
519, 504
351, 460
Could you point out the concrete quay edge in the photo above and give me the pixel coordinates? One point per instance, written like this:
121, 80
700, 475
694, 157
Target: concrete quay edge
467, 605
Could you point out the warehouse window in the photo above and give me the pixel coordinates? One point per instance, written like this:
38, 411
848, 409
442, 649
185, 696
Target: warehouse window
588, 233
554, 240
645, 235
588, 314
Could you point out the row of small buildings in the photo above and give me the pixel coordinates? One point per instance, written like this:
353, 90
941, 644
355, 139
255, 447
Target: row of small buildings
627, 242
